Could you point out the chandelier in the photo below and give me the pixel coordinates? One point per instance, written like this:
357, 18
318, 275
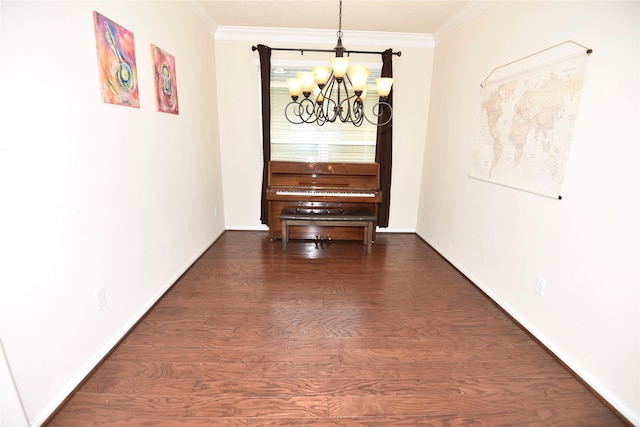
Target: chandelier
336, 93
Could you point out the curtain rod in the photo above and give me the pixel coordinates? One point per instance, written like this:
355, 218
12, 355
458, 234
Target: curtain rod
302, 51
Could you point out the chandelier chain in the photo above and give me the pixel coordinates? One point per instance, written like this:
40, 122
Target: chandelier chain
339, 33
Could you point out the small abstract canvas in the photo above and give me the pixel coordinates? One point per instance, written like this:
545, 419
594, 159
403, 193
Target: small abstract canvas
117, 63
164, 73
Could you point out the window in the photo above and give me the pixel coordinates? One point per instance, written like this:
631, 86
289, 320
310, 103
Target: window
333, 142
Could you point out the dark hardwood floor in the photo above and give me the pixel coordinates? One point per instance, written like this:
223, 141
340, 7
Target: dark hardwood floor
329, 336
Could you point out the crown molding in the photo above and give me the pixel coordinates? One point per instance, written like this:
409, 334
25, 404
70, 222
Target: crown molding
468, 12
326, 37
201, 15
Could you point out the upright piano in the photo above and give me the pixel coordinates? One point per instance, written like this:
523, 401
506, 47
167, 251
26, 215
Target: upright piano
335, 186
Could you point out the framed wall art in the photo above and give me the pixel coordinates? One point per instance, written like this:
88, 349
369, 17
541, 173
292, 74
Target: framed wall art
117, 62
164, 73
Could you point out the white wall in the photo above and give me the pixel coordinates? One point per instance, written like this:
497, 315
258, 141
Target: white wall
240, 119
96, 195
587, 245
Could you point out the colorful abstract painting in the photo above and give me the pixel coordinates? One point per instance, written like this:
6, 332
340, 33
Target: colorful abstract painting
117, 63
164, 72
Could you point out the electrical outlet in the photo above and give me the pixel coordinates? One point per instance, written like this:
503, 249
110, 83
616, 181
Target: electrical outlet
540, 285
101, 298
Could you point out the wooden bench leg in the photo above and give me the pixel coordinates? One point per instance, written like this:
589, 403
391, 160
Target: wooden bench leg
368, 231
365, 233
285, 234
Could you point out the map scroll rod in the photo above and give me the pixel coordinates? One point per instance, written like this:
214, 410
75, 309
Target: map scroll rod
537, 193
588, 51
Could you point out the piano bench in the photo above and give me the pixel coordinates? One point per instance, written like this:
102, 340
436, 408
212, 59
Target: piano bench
328, 217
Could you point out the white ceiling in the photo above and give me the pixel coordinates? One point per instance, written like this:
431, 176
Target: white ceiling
417, 16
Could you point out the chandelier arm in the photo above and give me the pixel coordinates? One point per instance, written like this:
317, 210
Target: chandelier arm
302, 110
358, 112
320, 118
378, 111
329, 110
329, 106
346, 112
309, 110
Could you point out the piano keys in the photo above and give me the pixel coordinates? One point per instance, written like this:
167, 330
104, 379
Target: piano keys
322, 193
321, 185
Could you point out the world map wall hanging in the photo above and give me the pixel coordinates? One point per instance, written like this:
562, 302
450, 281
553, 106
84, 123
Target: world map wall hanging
527, 118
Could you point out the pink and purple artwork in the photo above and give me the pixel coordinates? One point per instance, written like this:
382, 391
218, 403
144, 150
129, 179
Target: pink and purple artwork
116, 62
164, 73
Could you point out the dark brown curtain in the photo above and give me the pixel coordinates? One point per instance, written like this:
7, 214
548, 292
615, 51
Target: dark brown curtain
383, 146
265, 78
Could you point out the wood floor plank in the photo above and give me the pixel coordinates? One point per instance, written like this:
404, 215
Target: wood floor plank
149, 420
440, 404
317, 385
139, 385
258, 407
406, 421
325, 335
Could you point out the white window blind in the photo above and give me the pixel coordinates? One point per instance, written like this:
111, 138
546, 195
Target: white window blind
308, 142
